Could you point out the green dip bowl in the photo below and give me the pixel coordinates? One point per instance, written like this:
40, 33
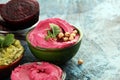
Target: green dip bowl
6, 70
56, 56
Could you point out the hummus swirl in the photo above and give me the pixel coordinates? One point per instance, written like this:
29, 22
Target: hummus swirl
37, 35
37, 71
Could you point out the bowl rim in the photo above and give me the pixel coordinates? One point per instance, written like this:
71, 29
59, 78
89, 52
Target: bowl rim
18, 31
55, 49
11, 64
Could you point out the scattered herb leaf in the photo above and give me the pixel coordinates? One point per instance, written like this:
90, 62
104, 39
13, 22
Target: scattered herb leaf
55, 30
6, 40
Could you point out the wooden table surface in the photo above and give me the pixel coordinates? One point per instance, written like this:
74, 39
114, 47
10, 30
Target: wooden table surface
100, 47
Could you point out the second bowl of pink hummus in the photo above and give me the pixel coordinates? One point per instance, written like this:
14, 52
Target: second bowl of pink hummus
38, 71
54, 40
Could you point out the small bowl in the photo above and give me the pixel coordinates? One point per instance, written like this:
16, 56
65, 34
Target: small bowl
56, 56
5, 70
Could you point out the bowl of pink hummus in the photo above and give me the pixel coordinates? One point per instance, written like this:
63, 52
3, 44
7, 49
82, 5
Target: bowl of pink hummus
38, 71
54, 40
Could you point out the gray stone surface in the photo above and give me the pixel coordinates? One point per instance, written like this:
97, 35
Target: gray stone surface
100, 48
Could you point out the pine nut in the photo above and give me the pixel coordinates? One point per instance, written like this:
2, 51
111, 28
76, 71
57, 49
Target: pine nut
71, 37
65, 38
75, 31
67, 34
60, 35
80, 61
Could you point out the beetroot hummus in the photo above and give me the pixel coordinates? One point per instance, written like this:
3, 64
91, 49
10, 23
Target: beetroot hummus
43, 29
37, 71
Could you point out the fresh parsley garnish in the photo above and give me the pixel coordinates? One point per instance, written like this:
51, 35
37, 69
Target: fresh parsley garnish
6, 40
55, 30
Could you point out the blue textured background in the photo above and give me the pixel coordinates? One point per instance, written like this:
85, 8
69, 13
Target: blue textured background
100, 48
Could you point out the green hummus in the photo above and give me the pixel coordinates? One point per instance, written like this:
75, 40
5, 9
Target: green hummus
11, 53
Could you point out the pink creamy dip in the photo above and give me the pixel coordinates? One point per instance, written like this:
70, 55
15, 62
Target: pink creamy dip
37, 71
37, 35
